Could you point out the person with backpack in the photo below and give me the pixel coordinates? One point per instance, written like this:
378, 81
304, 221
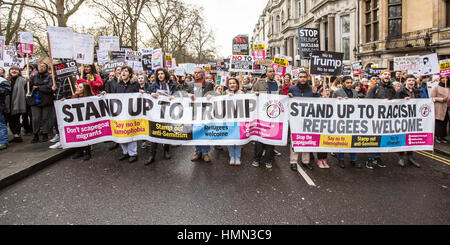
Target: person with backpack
41, 102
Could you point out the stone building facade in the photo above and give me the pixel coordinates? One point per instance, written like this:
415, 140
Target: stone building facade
374, 31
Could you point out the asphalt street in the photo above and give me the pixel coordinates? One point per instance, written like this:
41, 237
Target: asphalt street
178, 191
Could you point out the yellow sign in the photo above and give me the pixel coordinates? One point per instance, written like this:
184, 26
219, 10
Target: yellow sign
280, 61
259, 47
125, 129
336, 141
444, 66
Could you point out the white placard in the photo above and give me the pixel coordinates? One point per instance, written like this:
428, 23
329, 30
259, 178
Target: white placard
108, 43
61, 42
429, 64
26, 37
83, 48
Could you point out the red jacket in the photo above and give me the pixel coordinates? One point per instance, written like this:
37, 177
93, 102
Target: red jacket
95, 84
285, 89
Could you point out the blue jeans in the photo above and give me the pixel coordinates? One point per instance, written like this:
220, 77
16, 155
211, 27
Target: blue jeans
204, 149
340, 156
373, 156
235, 151
3, 129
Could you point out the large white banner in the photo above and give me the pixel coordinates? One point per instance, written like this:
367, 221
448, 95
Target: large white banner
353, 126
222, 120
83, 48
61, 42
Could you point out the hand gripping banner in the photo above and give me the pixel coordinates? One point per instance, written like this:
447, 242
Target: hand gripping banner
222, 120
367, 125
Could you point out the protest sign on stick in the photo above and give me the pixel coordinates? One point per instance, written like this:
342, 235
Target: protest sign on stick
326, 63
241, 63
308, 41
444, 67
60, 41
83, 48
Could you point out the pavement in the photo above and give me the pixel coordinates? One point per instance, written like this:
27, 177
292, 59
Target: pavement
21, 160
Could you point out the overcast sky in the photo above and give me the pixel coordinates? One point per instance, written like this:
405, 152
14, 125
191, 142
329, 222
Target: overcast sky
229, 18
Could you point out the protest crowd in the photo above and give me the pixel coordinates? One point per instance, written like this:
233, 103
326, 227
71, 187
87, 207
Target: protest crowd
28, 93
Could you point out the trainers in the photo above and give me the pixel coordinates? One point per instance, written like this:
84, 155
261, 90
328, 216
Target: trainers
438, 140
56, 146
401, 162
379, 163
232, 161
320, 163
255, 164
444, 141
3, 146
276, 153
369, 164
206, 158
196, 156
237, 162
268, 165
55, 139
325, 164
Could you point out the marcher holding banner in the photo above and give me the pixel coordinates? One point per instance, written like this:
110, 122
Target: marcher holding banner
267, 85
347, 92
91, 77
303, 89
382, 90
200, 88
41, 102
234, 150
127, 85
161, 87
440, 95
408, 91
15, 102
82, 90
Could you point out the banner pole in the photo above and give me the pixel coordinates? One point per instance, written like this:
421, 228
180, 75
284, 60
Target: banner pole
28, 74
70, 84
51, 60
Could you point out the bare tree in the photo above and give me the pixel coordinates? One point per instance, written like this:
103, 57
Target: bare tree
59, 10
124, 16
202, 44
13, 16
163, 15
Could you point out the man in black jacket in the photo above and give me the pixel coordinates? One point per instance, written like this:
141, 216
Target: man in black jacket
42, 103
382, 90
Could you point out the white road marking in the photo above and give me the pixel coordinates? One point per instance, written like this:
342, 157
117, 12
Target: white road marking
305, 176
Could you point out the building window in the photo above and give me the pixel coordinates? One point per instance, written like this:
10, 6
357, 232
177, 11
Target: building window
299, 8
278, 24
447, 12
371, 13
326, 35
345, 34
395, 18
